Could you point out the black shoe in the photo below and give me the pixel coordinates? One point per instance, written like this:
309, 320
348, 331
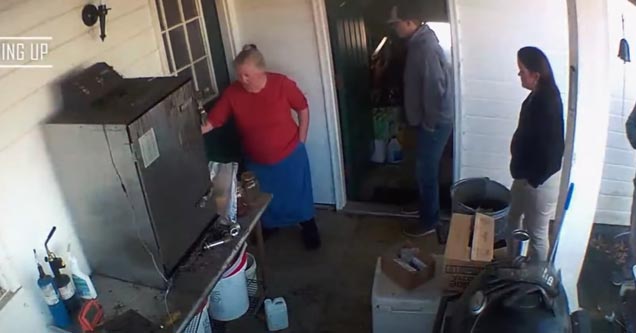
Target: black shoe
311, 236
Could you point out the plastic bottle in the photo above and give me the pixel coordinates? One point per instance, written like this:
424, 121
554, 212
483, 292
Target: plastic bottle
83, 285
276, 312
51, 297
394, 151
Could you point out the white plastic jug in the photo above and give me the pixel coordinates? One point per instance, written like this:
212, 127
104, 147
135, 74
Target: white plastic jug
276, 312
379, 151
394, 151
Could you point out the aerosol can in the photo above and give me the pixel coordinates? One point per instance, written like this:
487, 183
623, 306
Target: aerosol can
51, 296
63, 282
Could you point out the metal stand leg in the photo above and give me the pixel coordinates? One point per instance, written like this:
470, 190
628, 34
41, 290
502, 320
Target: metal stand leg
260, 244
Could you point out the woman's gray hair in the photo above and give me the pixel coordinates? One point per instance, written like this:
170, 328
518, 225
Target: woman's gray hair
250, 53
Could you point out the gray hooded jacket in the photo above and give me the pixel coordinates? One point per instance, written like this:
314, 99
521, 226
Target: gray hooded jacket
428, 92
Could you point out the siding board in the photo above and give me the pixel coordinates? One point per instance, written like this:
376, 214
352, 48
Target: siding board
491, 93
130, 35
27, 97
615, 197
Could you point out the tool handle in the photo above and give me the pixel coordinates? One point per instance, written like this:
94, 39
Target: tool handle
46, 243
208, 246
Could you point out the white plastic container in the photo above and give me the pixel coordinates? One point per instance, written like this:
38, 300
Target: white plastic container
229, 300
83, 285
250, 275
398, 310
276, 312
379, 151
201, 322
394, 151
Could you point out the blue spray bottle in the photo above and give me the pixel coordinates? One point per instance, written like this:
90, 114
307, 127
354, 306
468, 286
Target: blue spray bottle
51, 297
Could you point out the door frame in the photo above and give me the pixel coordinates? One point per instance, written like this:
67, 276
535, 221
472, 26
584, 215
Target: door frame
230, 33
456, 60
329, 83
327, 77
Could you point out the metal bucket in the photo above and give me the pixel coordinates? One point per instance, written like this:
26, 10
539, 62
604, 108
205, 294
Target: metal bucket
473, 195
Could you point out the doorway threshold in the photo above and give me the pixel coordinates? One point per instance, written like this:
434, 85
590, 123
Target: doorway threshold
375, 209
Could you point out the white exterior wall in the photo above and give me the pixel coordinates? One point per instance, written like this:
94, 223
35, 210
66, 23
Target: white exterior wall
288, 37
617, 187
490, 32
30, 199
592, 114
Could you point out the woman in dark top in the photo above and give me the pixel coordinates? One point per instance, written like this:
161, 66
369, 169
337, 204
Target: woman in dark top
537, 151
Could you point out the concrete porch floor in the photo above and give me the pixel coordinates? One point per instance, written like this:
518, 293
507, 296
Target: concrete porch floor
329, 290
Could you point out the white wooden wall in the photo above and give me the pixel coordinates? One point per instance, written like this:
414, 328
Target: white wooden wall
30, 200
490, 33
617, 186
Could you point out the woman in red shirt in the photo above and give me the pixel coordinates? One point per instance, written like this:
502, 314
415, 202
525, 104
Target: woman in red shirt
274, 143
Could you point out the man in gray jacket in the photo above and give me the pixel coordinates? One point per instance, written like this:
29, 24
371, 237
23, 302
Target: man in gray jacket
428, 104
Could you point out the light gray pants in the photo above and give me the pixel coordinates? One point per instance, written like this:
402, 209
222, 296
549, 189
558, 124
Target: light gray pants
536, 207
632, 222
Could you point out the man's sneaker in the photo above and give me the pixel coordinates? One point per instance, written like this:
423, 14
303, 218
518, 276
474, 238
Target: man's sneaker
416, 230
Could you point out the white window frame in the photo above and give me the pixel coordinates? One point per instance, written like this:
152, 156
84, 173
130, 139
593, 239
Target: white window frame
168, 62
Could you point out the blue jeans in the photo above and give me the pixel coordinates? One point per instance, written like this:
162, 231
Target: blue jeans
430, 147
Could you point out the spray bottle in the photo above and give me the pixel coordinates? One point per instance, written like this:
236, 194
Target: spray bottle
63, 282
46, 283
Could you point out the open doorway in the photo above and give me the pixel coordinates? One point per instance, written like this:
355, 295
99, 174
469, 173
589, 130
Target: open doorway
378, 146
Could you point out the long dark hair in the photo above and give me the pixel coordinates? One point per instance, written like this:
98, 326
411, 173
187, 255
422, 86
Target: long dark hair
536, 61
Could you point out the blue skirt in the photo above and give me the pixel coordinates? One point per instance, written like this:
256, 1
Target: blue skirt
290, 183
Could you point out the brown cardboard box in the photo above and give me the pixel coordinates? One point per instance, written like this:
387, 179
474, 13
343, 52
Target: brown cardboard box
404, 278
461, 261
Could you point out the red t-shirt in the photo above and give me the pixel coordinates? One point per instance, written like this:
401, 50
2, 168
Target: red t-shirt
264, 120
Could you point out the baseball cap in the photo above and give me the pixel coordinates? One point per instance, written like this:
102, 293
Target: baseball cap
393, 16
404, 11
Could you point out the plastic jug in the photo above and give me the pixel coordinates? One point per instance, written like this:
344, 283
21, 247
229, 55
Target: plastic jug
276, 312
394, 151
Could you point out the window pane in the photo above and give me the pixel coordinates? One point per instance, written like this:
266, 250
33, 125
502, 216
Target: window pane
168, 53
204, 77
179, 47
186, 72
171, 10
189, 9
196, 39
160, 14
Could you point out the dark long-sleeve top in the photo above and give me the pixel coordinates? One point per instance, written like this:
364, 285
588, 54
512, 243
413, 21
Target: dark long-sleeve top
538, 143
630, 128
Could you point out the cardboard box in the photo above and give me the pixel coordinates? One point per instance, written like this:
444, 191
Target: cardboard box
404, 277
463, 262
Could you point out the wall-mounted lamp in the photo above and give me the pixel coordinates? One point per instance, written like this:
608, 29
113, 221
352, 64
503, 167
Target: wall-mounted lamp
92, 13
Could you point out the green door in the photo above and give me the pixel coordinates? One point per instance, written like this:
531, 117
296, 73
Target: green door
223, 144
351, 62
